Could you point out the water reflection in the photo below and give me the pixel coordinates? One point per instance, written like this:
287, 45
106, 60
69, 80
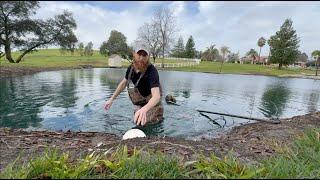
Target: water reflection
18, 107
313, 101
74, 100
66, 91
274, 99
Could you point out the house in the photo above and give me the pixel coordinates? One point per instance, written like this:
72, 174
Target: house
115, 60
301, 64
253, 59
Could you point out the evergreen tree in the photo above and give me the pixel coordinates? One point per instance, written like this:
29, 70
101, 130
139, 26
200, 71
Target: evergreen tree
284, 45
190, 51
178, 50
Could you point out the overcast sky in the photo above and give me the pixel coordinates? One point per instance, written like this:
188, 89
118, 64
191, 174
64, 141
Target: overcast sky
237, 25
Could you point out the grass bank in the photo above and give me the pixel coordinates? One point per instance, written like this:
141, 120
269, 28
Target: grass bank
231, 68
52, 58
298, 160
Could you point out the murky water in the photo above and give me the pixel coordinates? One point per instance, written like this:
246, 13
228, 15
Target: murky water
74, 100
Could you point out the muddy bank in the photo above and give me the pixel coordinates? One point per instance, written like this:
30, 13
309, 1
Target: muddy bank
250, 143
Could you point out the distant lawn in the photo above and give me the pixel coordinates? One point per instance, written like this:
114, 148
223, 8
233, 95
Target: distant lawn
52, 58
231, 68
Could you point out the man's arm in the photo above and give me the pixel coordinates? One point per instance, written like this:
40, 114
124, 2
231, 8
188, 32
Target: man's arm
119, 89
154, 99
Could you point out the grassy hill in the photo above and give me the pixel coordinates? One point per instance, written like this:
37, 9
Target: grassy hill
54, 58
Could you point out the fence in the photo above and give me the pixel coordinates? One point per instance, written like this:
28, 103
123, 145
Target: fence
183, 59
174, 65
192, 62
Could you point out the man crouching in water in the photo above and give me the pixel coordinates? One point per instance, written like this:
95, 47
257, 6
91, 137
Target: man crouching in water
146, 91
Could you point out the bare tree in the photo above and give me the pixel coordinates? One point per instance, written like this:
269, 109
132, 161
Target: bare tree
224, 51
165, 22
149, 37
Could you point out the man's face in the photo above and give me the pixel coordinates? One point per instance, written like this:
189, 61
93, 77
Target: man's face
141, 59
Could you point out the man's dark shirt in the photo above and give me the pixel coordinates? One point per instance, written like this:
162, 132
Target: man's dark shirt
149, 80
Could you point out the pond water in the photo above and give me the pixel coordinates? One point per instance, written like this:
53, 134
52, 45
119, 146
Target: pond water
74, 100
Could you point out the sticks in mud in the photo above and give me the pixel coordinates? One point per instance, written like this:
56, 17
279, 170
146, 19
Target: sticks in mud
243, 117
213, 120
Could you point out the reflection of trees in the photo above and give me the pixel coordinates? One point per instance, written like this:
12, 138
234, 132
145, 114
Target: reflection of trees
274, 100
251, 97
112, 78
66, 94
89, 73
17, 107
313, 101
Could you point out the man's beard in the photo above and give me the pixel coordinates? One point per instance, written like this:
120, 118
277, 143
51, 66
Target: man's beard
141, 65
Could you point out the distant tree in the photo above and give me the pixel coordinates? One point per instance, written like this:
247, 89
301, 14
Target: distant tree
63, 51
190, 51
253, 54
129, 52
233, 57
198, 54
149, 36
19, 31
80, 49
316, 54
261, 43
88, 51
210, 54
103, 49
117, 44
284, 45
165, 22
178, 50
302, 57
224, 51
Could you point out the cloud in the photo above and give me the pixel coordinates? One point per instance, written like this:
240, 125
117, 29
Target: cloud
95, 23
238, 25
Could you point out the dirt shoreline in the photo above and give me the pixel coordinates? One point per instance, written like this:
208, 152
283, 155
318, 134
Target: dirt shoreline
250, 143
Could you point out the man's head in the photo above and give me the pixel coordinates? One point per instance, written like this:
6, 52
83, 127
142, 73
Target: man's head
141, 59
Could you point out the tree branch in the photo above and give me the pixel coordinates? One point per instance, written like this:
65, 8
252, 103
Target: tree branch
30, 49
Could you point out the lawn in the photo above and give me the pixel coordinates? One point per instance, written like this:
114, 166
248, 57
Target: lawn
53, 58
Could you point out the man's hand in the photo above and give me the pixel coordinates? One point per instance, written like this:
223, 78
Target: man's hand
140, 117
108, 104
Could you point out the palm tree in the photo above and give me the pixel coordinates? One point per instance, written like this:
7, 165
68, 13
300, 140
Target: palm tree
253, 54
224, 50
261, 43
316, 55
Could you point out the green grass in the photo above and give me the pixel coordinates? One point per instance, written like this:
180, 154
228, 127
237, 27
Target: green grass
300, 160
44, 58
231, 68
52, 58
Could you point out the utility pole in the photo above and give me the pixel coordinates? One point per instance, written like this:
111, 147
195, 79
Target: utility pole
317, 63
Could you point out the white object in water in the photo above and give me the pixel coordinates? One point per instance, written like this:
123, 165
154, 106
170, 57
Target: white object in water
133, 133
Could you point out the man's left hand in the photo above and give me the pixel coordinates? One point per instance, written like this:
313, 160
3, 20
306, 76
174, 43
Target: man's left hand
140, 117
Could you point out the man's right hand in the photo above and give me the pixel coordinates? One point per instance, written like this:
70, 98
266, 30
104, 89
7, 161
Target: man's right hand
108, 104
